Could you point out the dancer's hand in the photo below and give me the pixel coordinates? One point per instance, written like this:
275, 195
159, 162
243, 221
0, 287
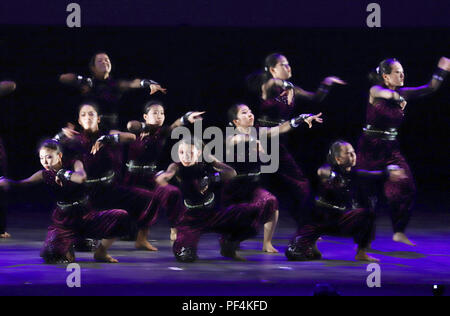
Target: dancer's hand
324, 172
403, 104
155, 88
96, 148
444, 63
397, 175
58, 181
4, 184
290, 95
195, 116
329, 81
70, 131
313, 118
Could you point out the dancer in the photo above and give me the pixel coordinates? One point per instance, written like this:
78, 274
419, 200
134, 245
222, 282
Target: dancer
148, 153
6, 87
342, 207
105, 90
277, 106
246, 186
74, 216
379, 147
98, 150
203, 210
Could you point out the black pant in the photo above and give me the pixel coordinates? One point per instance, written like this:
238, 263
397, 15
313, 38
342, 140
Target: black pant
2, 212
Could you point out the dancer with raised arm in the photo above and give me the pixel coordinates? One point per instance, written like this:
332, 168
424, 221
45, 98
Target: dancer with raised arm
97, 149
204, 212
74, 217
379, 147
246, 187
342, 206
105, 90
149, 153
279, 103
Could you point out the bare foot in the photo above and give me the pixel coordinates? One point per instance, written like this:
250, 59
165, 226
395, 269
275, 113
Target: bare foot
401, 237
269, 248
104, 257
362, 256
5, 235
145, 245
236, 257
173, 234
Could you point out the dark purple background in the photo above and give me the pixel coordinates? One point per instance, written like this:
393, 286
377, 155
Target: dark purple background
248, 13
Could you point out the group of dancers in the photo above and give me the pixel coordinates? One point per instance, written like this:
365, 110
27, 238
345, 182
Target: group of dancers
109, 183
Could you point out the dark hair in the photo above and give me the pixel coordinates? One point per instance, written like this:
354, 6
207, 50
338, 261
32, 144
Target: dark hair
257, 79
50, 144
335, 151
151, 103
232, 113
385, 67
90, 103
92, 60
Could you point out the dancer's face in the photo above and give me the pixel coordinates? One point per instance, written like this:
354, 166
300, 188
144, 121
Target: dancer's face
282, 69
88, 118
397, 76
188, 154
347, 157
155, 116
102, 64
245, 117
50, 159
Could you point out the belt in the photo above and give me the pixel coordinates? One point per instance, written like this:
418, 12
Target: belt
65, 206
106, 179
248, 175
323, 203
389, 134
208, 203
135, 168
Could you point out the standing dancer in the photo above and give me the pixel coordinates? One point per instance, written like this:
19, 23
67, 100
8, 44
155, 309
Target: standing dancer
98, 152
73, 217
342, 207
277, 106
6, 87
147, 155
378, 146
203, 210
105, 90
246, 186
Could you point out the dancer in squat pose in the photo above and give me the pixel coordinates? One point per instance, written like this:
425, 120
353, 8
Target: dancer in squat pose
379, 147
74, 216
203, 210
246, 187
97, 150
147, 155
342, 207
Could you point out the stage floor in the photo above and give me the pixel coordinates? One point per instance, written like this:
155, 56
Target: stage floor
405, 270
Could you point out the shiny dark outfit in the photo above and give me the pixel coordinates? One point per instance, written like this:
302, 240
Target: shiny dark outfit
74, 218
205, 214
147, 156
342, 209
104, 189
378, 147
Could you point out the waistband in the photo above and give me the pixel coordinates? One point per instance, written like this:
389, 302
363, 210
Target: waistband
66, 206
108, 178
389, 134
134, 167
209, 202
